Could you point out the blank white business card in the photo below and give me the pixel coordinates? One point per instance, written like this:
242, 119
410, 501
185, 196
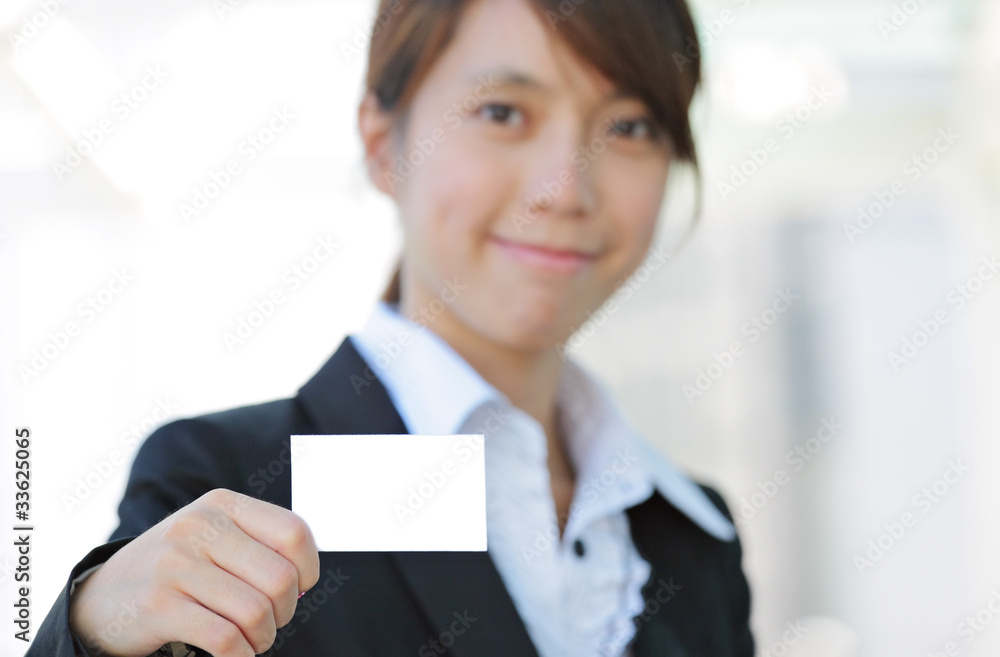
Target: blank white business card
389, 493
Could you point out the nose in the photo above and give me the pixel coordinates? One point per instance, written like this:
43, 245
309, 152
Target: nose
560, 179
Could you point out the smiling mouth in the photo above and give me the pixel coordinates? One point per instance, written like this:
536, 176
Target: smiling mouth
552, 260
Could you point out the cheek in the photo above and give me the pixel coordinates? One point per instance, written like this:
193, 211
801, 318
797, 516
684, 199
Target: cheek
458, 197
448, 205
634, 197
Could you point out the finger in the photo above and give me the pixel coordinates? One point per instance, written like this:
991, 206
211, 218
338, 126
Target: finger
259, 566
274, 526
209, 631
232, 599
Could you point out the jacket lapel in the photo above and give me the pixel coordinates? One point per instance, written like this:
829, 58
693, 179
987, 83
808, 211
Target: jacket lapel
461, 593
345, 397
456, 587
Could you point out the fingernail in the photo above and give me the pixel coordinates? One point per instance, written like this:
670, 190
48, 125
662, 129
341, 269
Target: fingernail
302, 594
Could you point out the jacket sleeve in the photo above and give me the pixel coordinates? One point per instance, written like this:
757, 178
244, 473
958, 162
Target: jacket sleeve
739, 589
741, 604
175, 465
53, 638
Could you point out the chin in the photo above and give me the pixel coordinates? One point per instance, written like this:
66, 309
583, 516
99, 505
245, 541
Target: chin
532, 327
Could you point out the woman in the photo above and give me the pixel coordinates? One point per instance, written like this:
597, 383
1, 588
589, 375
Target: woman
527, 146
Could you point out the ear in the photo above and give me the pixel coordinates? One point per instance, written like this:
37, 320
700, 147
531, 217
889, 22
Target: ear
375, 126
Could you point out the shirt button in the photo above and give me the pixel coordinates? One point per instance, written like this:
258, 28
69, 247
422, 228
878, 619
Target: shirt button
578, 547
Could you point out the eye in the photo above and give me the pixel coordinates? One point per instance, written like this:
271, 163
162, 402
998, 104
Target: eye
637, 129
502, 114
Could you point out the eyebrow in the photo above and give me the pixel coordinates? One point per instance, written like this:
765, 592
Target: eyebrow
512, 77
507, 77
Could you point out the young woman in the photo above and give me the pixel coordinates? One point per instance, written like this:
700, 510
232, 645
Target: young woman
526, 144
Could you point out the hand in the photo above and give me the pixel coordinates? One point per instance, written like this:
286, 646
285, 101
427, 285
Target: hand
222, 573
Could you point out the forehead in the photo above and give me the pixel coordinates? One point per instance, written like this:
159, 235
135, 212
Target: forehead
511, 40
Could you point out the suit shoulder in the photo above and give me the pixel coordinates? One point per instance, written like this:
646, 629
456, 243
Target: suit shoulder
188, 457
221, 445
259, 422
248, 426
716, 497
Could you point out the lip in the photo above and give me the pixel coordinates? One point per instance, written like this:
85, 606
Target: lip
552, 260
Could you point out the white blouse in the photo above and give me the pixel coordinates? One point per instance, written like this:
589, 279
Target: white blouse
577, 595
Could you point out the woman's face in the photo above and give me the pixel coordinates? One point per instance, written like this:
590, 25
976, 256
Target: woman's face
526, 187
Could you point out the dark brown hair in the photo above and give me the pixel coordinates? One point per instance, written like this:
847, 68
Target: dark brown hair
648, 48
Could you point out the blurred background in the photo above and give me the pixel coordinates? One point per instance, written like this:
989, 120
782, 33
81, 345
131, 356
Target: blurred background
165, 166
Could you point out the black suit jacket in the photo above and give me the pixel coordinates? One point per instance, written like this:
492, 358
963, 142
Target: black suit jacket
407, 603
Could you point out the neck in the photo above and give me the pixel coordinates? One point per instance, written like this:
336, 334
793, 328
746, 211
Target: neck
529, 379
